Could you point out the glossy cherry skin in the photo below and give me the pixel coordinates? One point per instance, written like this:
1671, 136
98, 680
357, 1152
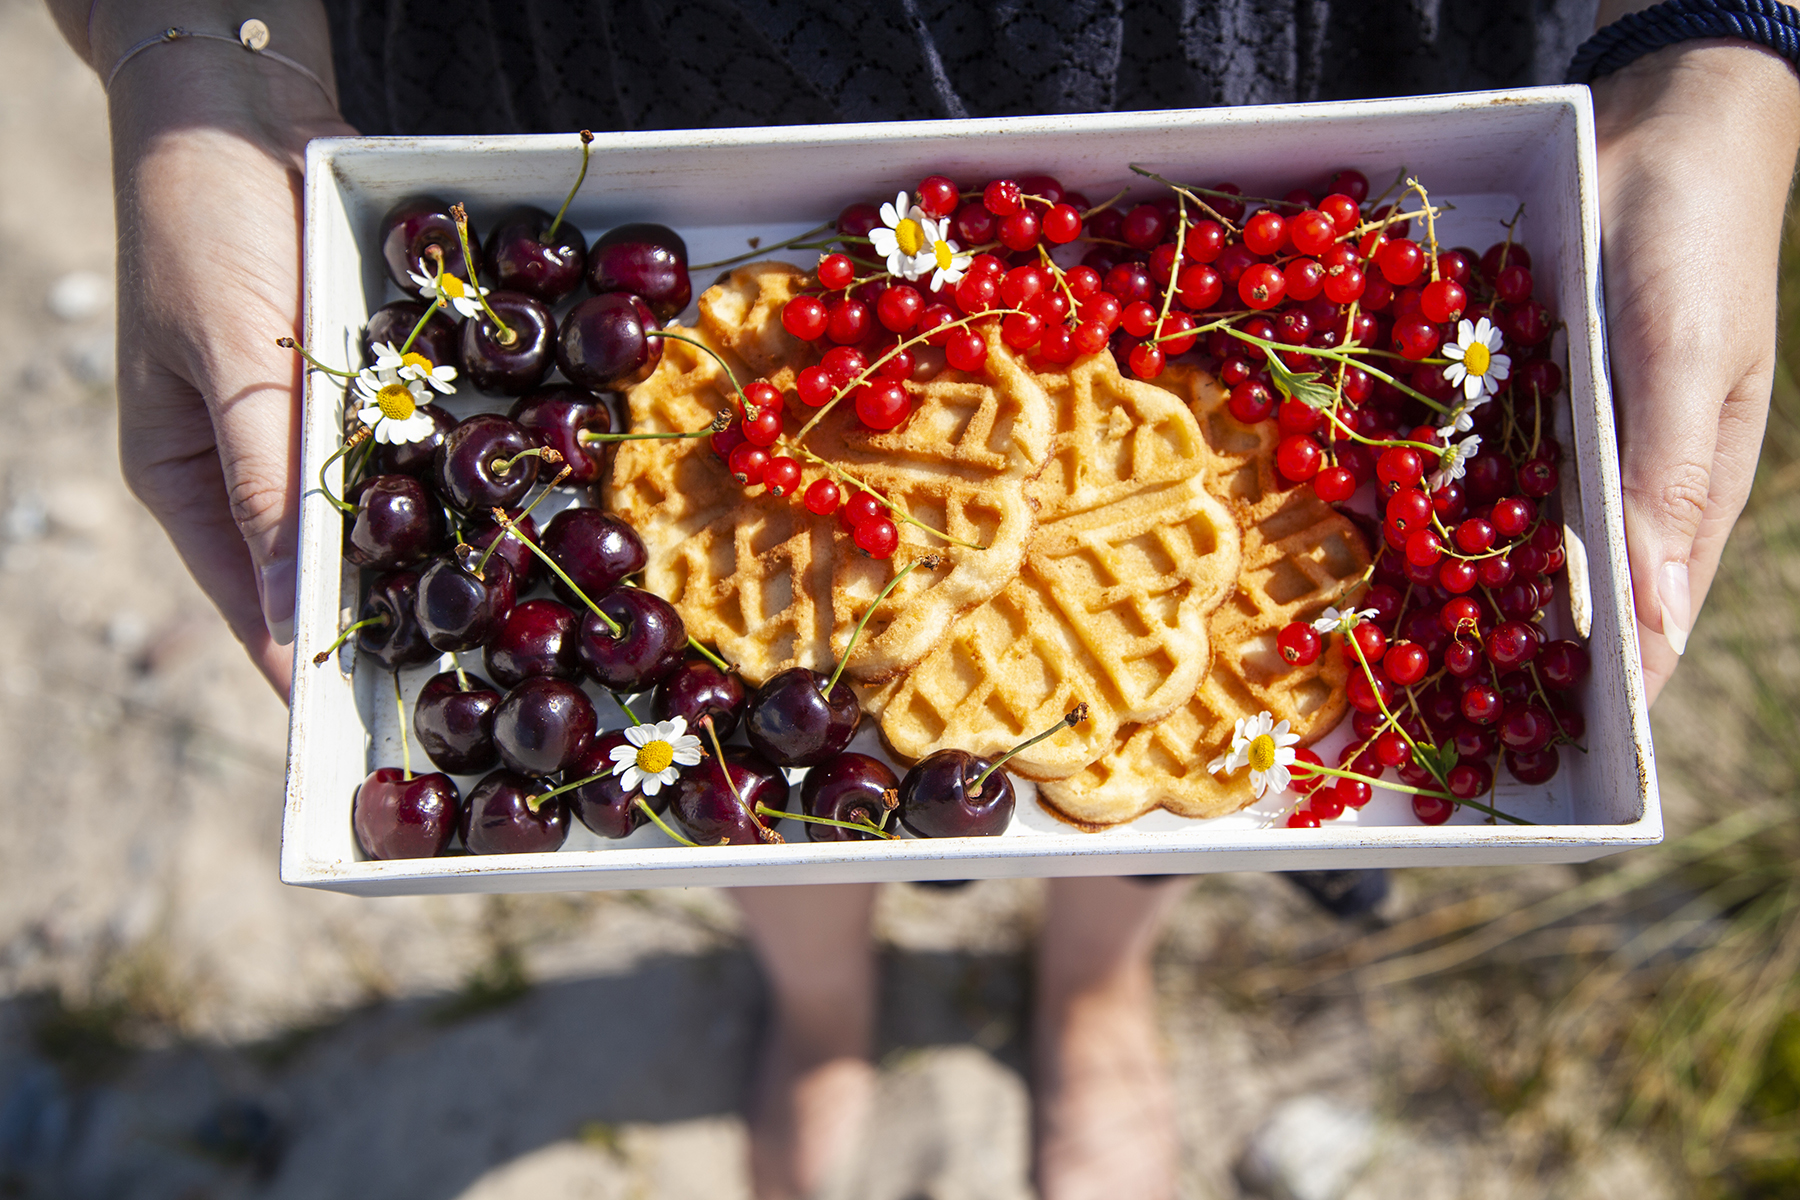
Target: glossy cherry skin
846, 787
413, 225
696, 688
543, 725
525, 564
497, 819
398, 641
454, 722
643, 260
459, 610
711, 814
523, 260
394, 323
791, 721
650, 643
937, 799
514, 368
414, 458
469, 475
397, 523
603, 344
540, 637
603, 805
397, 817
594, 548
556, 416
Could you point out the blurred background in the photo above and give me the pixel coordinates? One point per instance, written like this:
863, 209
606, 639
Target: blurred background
174, 1023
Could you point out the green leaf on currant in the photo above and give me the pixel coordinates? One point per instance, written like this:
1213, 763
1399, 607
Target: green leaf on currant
1308, 388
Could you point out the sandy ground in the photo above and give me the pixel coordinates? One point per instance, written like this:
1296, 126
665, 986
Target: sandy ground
174, 1023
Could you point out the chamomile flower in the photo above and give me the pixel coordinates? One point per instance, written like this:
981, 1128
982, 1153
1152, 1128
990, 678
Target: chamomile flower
392, 407
1454, 461
1266, 747
1332, 621
657, 752
413, 365
459, 295
1476, 365
1461, 419
901, 238
950, 261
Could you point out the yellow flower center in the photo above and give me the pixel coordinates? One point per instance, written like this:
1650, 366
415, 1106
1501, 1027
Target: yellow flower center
415, 359
944, 257
655, 757
452, 287
395, 401
1477, 358
910, 236
1262, 753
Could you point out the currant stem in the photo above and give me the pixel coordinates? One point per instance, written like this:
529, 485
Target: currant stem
792, 243
506, 523
763, 810
1181, 224
288, 343
723, 365
1428, 761
460, 215
405, 743
1075, 716
708, 655
1306, 768
1336, 356
1194, 194
663, 825
928, 562
900, 514
355, 439
587, 137
320, 658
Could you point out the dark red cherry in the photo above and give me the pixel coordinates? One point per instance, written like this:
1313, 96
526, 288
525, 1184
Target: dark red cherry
525, 564
938, 796
650, 642
540, 637
397, 817
697, 688
509, 368
713, 815
791, 721
524, 260
643, 260
498, 819
397, 523
543, 725
395, 640
557, 416
848, 787
602, 343
394, 323
454, 720
594, 548
482, 464
410, 228
414, 458
602, 804
459, 609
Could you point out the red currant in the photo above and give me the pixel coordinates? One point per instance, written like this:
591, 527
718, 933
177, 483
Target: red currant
1303, 818
782, 475
966, 351
1399, 466
1406, 663
860, 508
1334, 485
1443, 300
1003, 198
1020, 231
1204, 241
1299, 643
822, 497
1146, 361
1262, 286
748, 462
1298, 457
882, 405
937, 196
1062, 224
977, 293
1432, 810
804, 317
763, 429
1265, 232
1145, 226
1326, 805
1199, 286
1305, 278
1304, 782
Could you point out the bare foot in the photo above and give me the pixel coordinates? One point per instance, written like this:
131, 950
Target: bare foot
1103, 1103
807, 1116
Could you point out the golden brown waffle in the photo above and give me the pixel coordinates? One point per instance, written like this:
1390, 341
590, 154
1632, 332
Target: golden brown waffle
1299, 555
1130, 556
751, 573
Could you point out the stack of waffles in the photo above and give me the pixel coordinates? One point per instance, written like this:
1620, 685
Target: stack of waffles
1135, 554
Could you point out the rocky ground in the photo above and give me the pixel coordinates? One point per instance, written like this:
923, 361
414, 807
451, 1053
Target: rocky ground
175, 1023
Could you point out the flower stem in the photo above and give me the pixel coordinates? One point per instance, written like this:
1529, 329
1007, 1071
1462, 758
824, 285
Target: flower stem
927, 561
437, 302
458, 214
550, 233
506, 523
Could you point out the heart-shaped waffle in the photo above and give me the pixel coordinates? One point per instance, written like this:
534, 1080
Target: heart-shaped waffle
1299, 555
1130, 555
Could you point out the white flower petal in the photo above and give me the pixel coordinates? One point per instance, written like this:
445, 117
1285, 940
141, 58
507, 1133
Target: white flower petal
641, 735
631, 779
622, 754
654, 783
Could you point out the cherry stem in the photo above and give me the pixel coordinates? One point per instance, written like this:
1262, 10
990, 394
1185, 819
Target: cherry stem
763, 810
725, 770
461, 216
1306, 768
327, 652
462, 678
586, 138
664, 825
405, 744
355, 439
504, 465
706, 653
756, 250
533, 802
719, 423
526, 512
288, 343
506, 523
1074, 717
723, 365
927, 561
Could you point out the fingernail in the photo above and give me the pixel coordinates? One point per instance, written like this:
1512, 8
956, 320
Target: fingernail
277, 582
1677, 604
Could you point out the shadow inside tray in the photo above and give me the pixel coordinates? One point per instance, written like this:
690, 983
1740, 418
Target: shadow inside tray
420, 1098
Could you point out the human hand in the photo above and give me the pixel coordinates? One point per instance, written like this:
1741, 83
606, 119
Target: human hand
207, 152
1696, 153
